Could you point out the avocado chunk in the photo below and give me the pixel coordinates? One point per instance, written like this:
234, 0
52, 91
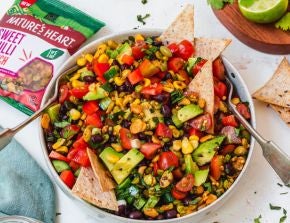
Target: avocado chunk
60, 165
151, 202
200, 177
125, 48
139, 203
176, 121
205, 151
96, 94
110, 156
190, 166
125, 165
53, 112
188, 112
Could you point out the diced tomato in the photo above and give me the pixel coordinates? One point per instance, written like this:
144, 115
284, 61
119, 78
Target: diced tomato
243, 110
127, 59
178, 194
177, 173
80, 143
74, 166
63, 93
186, 183
155, 80
215, 167
185, 49
80, 92
167, 159
173, 48
220, 89
155, 168
148, 69
175, 64
163, 130
195, 132
135, 76
227, 149
100, 69
68, 178
153, 89
230, 120
125, 137
183, 74
94, 120
218, 69
202, 122
90, 107
57, 156
79, 156
149, 149
138, 49
196, 68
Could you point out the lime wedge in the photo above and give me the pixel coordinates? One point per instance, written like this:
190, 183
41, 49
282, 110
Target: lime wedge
263, 11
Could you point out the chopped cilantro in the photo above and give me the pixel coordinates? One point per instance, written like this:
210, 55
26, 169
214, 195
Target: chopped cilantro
284, 22
141, 18
283, 193
284, 217
176, 96
272, 207
144, 1
257, 220
280, 185
219, 4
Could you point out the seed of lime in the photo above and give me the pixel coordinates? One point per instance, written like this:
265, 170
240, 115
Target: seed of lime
263, 11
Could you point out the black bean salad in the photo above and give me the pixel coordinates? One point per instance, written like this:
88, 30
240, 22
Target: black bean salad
129, 102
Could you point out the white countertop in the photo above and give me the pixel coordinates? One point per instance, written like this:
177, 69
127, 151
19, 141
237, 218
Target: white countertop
259, 186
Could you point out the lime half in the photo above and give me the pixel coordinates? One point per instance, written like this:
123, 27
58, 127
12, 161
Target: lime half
263, 11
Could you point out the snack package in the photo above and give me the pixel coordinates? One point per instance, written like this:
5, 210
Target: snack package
36, 37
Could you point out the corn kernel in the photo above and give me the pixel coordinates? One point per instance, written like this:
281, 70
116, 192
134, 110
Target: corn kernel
74, 114
112, 44
186, 146
45, 121
240, 150
89, 57
147, 82
117, 147
137, 109
184, 101
175, 133
81, 61
103, 58
87, 134
176, 146
179, 85
75, 76
235, 101
58, 143
194, 143
119, 81
137, 126
110, 107
116, 129
168, 87
194, 137
139, 37
77, 84
166, 207
83, 117
245, 142
62, 149
206, 138
125, 73
201, 102
155, 159
222, 107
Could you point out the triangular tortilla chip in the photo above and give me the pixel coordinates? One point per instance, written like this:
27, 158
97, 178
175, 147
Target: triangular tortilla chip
182, 27
210, 49
101, 173
277, 90
88, 188
283, 112
204, 86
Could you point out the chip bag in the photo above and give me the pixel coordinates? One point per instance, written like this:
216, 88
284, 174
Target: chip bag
36, 37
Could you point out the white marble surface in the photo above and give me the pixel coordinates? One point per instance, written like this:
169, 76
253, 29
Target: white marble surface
259, 186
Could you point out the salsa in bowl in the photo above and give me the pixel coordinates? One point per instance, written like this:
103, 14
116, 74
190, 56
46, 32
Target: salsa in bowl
132, 115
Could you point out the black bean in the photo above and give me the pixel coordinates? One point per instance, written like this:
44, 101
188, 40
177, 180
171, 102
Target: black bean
187, 200
136, 215
124, 66
129, 86
186, 126
171, 213
121, 210
69, 105
121, 88
74, 122
156, 42
168, 121
229, 170
115, 63
49, 146
166, 111
160, 217
89, 79
113, 139
167, 76
166, 146
125, 123
62, 110
162, 98
97, 138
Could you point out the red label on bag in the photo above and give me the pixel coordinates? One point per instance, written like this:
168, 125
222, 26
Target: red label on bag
26, 3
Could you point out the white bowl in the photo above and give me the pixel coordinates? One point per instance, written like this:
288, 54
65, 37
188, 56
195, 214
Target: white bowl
94, 211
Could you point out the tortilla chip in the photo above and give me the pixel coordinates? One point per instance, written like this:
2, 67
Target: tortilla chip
204, 86
283, 112
210, 49
277, 90
88, 188
182, 27
106, 182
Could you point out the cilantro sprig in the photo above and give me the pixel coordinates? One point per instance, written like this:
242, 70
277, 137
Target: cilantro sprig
284, 22
141, 18
219, 4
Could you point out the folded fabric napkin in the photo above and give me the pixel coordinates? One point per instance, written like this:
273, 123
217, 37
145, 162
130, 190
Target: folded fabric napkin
25, 189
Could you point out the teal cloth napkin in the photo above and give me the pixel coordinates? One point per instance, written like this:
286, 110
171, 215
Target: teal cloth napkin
25, 189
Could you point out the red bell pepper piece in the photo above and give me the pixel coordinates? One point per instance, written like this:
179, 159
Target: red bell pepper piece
100, 69
57, 156
68, 178
79, 92
229, 121
90, 107
135, 76
127, 59
125, 137
94, 120
153, 89
79, 156
80, 143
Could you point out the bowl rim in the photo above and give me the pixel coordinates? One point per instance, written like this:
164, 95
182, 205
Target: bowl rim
93, 210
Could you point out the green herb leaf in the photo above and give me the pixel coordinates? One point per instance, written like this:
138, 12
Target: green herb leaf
144, 2
219, 4
257, 220
284, 22
280, 185
61, 124
283, 193
176, 96
272, 207
141, 18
